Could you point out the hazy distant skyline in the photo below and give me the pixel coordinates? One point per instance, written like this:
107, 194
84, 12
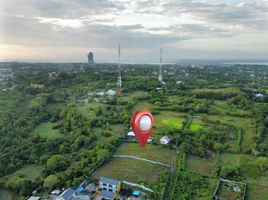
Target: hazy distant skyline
66, 30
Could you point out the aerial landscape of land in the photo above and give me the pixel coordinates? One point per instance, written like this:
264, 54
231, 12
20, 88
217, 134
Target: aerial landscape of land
60, 128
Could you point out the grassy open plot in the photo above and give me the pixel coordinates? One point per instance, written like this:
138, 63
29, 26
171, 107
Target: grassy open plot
129, 170
223, 107
168, 118
86, 110
200, 165
133, 95
152, 152
5, 194
247, 125
255, 191
29, 172
47, 130
143, 105
94, 105
235, 159
207, 194
196, 124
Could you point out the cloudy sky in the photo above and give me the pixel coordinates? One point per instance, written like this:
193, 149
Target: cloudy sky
65, 30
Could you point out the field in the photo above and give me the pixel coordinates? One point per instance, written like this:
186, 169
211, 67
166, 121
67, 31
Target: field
246, 124
196, 124
47, 130
200, 165
29, 172
152, 152
5, 194
143, 105
129, 170
168, 118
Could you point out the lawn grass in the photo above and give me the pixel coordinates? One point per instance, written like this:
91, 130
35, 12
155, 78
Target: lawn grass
29, 172
129, 170
152, 152
200, 165
5, 194
46, 130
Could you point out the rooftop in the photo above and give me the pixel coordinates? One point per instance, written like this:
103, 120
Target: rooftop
109, 180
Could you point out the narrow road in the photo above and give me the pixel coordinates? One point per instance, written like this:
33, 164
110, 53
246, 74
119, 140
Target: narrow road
142, 159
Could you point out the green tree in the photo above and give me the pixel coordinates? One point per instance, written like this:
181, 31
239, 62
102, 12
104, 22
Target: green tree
57, 163
51, 181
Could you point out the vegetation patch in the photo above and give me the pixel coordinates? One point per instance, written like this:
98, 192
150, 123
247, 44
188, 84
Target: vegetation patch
196, 124
48, 130
201, 165
5, 194
30, 172
152, 152
129, 170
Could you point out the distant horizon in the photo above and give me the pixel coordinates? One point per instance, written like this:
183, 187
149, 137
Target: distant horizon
65, 31
178, 62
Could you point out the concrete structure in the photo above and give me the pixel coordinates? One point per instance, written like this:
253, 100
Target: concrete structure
119, 76
160, 75
111, 92
164, 140
109, 188
90, 58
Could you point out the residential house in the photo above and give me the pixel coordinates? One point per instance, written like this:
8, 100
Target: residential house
109, 188
131, 135
68, 194
164, 140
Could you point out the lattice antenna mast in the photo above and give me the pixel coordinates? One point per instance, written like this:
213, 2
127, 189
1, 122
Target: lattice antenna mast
119, 77
160, 76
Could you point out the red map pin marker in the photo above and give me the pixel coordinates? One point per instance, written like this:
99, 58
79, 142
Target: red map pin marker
142, 124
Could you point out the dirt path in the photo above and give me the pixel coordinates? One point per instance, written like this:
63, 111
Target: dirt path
142, 159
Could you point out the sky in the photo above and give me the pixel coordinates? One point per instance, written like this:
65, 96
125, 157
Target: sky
66, 30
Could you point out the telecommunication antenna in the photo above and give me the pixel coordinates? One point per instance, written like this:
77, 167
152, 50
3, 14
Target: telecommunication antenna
160, 76
119, 76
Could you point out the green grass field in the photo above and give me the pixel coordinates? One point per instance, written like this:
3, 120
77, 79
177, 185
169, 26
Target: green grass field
152, 152
247, 125
168, 118
29, 172
196, 124
200, 165
223, 107
129, 170
132, 96
86, 110
5, 194
46, 130
143, 105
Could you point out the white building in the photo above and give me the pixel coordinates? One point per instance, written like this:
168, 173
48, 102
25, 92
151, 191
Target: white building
164, 140
111, 93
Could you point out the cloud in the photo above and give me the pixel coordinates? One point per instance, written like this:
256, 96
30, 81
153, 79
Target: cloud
143, 24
